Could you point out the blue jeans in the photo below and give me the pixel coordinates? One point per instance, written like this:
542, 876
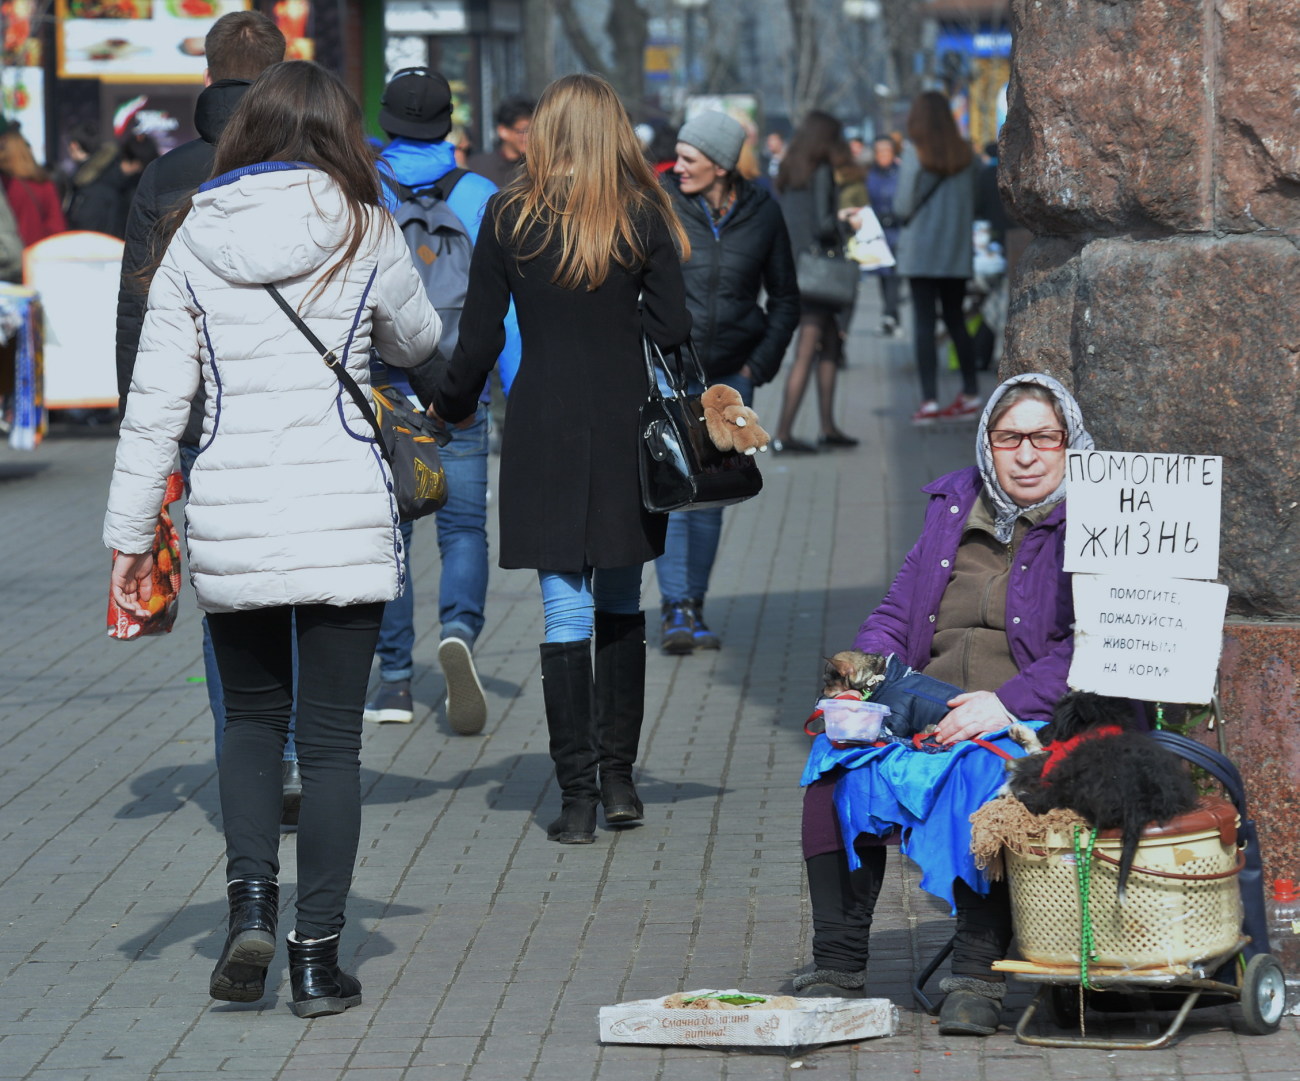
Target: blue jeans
569, 601
692, 543
462, 544
212, 676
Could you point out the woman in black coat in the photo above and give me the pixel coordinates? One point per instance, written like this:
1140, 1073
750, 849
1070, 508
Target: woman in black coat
806, 181
575, 240
739, 249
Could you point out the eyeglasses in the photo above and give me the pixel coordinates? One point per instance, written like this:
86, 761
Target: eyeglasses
1005, 439
521, 129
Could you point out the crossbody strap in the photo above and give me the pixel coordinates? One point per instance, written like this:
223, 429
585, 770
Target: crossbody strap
332, 362
924, 199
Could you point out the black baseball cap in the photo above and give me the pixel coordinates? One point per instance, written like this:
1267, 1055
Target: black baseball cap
416, 104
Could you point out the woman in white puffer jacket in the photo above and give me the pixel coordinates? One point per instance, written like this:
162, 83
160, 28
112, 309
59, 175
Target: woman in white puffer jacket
291, 525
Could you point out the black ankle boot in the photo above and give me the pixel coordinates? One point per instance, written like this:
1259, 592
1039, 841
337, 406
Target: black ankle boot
620, 710
319, 987
567, 692
240, 975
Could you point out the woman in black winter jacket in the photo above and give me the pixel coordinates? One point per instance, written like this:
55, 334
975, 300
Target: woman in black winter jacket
739, 247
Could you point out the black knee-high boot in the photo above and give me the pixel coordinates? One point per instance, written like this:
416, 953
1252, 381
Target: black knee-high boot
843, 904
620, 710
568, 692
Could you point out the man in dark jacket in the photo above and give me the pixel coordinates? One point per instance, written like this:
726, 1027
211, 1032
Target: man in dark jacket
740, 249
239, 47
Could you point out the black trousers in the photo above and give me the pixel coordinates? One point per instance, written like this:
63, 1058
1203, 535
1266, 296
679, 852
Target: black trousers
844, 902
254, 651
949, 293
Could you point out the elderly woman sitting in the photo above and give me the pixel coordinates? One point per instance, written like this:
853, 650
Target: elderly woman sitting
981, 602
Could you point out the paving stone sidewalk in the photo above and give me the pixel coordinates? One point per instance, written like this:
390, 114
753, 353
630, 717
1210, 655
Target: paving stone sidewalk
485, 951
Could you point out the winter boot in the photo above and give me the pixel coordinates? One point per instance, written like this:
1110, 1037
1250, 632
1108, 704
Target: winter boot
973, 1006
620, 709
570, 719
240, 975
319, 987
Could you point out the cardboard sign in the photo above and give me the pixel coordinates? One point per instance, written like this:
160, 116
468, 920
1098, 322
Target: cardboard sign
1143, 513
1155, 639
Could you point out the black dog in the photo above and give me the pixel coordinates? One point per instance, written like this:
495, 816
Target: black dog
1091, 761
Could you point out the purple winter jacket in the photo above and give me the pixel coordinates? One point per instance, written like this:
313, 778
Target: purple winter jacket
1040, 603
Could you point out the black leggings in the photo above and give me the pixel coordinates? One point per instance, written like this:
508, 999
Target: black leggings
950, 293
254, 651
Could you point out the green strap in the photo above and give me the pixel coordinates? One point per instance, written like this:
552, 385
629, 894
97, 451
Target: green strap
1083, 873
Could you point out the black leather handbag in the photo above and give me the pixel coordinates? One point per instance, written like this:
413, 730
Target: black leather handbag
827, 278
681, 469
406, 438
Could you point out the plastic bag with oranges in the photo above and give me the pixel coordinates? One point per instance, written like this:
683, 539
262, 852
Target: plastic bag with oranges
165, 598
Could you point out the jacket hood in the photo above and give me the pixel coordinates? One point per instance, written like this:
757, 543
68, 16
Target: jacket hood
215, 105
267, 222
95, 166
418, 164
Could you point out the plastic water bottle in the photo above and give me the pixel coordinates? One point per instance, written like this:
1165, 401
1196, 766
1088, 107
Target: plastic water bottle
1284, 937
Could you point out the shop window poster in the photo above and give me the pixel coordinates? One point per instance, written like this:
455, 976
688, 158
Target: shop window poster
137, 40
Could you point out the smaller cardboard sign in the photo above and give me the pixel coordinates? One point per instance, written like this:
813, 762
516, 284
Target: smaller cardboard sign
814, 1021
1151, 513
1154, 639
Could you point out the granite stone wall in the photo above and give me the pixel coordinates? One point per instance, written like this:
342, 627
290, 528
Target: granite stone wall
1152, 147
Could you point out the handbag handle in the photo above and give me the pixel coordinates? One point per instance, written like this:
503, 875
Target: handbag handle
655, 362
333, 364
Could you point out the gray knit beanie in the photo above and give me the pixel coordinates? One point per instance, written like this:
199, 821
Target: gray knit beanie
717, 136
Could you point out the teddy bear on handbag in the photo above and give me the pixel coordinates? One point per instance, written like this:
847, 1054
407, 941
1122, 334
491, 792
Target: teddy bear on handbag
731, 424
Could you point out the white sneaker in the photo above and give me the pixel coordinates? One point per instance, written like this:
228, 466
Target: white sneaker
466, 706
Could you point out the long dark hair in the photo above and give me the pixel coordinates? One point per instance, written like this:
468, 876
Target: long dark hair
585, 181
296, 111
933, 131
819, 140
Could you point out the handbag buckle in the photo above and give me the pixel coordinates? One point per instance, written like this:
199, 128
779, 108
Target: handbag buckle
331, 360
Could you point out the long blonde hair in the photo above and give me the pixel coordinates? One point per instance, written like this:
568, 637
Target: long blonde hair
585, 180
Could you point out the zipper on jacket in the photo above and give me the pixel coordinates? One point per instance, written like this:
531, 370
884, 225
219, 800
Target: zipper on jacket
714, 274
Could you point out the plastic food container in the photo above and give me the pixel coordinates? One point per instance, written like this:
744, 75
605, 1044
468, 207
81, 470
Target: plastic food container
849, 720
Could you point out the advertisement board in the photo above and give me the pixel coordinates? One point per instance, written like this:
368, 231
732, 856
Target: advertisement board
137, 40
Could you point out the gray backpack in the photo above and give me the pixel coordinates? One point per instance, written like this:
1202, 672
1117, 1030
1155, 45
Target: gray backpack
441, 248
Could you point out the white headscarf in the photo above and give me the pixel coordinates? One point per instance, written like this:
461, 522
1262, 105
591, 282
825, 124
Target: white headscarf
1005, 509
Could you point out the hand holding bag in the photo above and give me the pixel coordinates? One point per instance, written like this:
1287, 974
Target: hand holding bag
406, 437
681, 469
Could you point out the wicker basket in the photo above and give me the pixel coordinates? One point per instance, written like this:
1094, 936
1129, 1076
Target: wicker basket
1163, 920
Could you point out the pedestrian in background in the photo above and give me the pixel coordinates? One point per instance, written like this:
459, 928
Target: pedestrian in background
739, 250
291, 524
586, 243
935, 200
31, 193
810, 203
415, 113
513, 119
882, 184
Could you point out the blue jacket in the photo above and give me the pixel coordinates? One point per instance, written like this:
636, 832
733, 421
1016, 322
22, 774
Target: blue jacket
419, 165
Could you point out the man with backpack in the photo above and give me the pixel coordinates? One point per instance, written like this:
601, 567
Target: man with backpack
439, 208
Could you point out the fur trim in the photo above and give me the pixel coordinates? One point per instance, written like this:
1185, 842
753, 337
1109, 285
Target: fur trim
984, 988
848, 981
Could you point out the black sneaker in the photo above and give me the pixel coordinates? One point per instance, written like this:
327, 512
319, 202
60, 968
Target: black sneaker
391, 702
678, 637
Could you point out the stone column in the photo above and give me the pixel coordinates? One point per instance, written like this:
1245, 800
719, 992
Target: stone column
1154, 149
